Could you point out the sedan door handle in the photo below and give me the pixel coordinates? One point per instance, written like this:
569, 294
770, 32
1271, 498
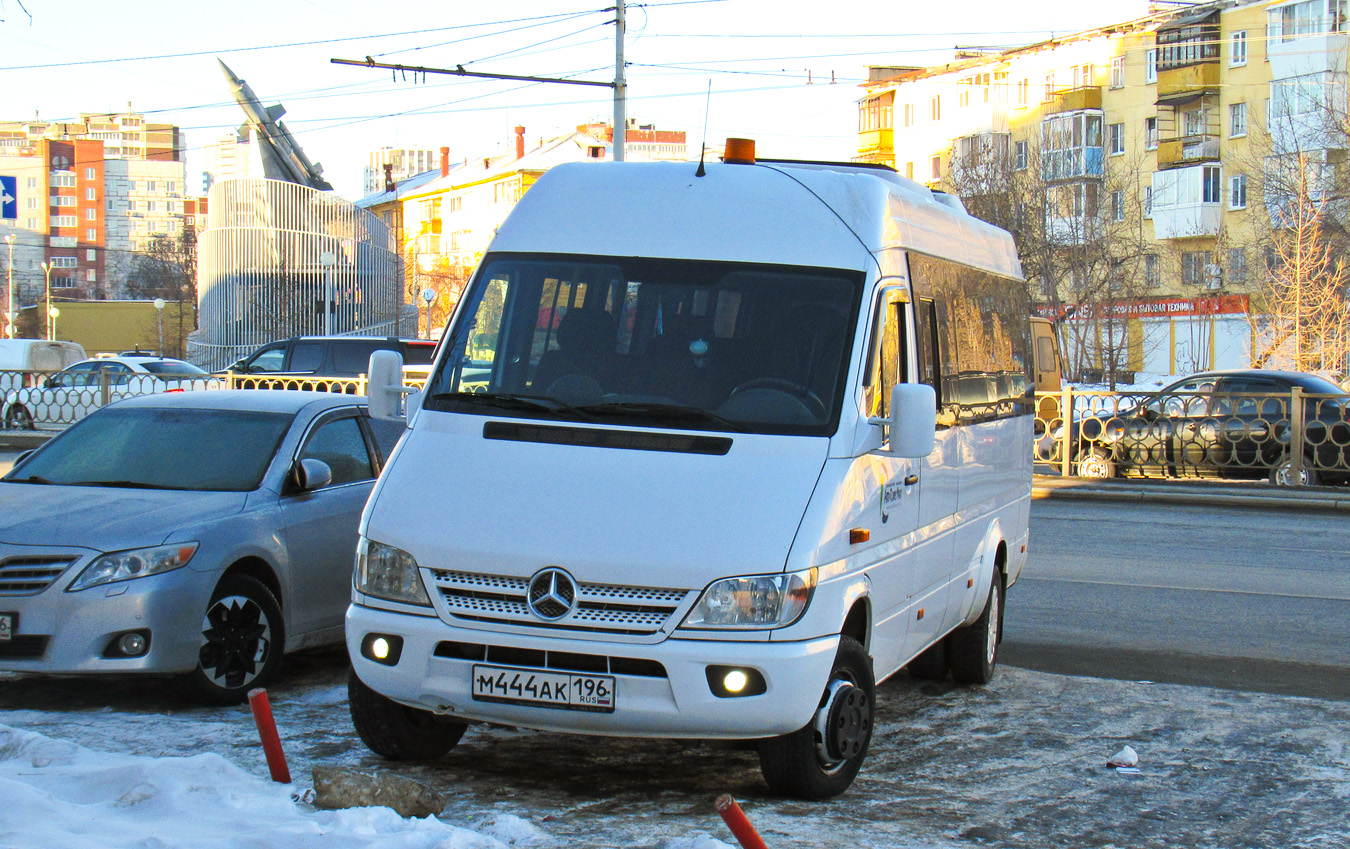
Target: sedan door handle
910, 480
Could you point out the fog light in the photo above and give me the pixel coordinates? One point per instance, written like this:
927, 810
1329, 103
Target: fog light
128, 644
728, 682
382, 648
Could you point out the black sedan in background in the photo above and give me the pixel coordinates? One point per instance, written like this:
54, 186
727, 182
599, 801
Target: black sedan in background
1231, 424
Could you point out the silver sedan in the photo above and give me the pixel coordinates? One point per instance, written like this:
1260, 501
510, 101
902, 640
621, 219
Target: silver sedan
201, 533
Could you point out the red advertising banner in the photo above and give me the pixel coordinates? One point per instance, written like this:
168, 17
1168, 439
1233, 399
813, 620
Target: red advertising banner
1201, 305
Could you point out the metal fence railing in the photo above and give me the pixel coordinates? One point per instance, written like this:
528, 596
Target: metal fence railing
47, 400
1292, 437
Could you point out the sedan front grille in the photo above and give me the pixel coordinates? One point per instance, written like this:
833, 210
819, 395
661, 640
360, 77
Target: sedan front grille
600, 607
31, 575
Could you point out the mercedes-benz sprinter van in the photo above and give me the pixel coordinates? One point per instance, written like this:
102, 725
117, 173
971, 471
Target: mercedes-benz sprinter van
703, 455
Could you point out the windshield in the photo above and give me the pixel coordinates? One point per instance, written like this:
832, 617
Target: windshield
682, 344
217, 450
171, 367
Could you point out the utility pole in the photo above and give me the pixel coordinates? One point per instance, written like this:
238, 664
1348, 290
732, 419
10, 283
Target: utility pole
9, 313
620, 83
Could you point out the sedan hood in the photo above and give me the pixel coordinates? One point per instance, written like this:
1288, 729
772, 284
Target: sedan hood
457, 500
105, 518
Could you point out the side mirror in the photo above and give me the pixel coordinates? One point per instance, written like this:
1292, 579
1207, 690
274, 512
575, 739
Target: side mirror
913, 420
384, 385
312, 474
51, 382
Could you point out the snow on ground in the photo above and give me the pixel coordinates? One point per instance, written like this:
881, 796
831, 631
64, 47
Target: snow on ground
1019, 764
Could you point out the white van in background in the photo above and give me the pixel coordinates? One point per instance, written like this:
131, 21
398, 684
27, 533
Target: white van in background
702, 455
38, 354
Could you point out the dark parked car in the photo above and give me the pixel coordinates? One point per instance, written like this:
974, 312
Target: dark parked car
329, 356
1232, 424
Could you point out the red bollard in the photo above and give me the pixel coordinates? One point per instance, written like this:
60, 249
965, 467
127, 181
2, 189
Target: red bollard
267, 731
735, 819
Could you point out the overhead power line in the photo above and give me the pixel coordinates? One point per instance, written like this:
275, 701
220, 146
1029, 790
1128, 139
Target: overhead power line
459, 71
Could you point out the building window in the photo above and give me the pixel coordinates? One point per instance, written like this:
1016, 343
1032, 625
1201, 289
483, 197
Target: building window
935, 168
1049, 86
1118, 72
89, 174
909, 114
62, 200
1116, 135
91, 254
1298, 20
1151, 65
32, 182
91, 214
1237, 266
963, 93
91, 236
131, 185
1118, 205
150, 186
1151, 275
63, 180
1237, 191
64, 262
170, 186
875, 114
1195, 267
935, 109
1020, 155
1148, 201
1237, 48
1150, 133
63, 221
1193, 122
149, 206
90, 193
909, 170
90, 276
1188, 45
1210, 185
1023, 92
1237, 119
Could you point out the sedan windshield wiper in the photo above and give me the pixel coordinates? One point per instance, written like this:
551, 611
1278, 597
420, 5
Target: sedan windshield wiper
30, 479
511, 401
122, 484
657, 412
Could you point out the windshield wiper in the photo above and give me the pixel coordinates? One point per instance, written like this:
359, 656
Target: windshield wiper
654, 411
511, 401
121, 484
30, 479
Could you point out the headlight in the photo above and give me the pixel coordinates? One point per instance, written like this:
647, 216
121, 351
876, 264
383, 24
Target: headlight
755, 601
387, 572
125, 565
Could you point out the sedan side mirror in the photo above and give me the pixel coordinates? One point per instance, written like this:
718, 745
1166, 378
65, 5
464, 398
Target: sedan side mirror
312, 474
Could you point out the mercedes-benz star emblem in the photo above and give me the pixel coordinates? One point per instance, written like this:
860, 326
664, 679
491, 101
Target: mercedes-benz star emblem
552, 594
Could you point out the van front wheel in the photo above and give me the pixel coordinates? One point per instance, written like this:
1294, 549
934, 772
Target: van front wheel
821, 759
398, 732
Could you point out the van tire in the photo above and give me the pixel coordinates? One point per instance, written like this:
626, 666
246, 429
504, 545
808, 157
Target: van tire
802, 764
973, 649
398, 732
932, 664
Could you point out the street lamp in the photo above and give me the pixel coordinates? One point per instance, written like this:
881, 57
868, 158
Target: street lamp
328, 259
159, 311
51, 324
428, 295
9, 313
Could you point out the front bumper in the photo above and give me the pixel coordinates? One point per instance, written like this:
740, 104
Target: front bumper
61, 631
678, 704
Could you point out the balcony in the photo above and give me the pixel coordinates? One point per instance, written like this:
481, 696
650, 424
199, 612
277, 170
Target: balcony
1187, 82
1187, 150
1070, 164
876, 142
1075, 99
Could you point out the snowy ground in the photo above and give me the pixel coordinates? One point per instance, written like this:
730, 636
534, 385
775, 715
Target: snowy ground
1020, 763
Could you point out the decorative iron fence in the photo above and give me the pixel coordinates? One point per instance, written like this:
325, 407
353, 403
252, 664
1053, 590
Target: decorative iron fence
1292, 437
50, 400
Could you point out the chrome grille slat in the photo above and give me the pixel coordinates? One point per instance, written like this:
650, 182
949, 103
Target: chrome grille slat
600, 607
31, 575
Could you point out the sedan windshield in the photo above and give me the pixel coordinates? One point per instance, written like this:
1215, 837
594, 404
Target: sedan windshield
680, 344
214, 450
171, 367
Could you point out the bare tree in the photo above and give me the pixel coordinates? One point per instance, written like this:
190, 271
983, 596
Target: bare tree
167, 269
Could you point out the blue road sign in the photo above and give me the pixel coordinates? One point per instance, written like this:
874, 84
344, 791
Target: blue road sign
9, 193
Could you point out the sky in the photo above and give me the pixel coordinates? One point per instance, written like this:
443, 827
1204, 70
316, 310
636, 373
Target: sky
784, 73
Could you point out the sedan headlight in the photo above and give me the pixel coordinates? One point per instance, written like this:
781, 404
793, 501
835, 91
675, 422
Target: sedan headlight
389, 573
138, 563
754, 601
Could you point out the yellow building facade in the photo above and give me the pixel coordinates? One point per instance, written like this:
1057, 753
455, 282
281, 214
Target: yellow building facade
1133, 157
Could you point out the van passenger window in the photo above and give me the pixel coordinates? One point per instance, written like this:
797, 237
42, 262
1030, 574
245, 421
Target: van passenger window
267, 361
307, 356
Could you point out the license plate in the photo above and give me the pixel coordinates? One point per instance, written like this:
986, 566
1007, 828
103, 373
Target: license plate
8, 622
594, 693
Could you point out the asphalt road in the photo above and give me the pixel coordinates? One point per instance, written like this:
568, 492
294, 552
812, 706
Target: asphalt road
1222, 597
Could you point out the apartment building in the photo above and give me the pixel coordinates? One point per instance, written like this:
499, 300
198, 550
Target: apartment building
90, 195
1137, 163
395, 164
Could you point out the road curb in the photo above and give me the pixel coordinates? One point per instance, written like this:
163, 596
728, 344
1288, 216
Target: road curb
1162, 492
22, 440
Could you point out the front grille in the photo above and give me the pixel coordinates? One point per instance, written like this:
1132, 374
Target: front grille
544, 659
30, 575
600, 607
24, 647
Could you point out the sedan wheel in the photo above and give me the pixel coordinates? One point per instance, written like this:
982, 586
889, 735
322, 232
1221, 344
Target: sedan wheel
18, 418
1282, 473
1095, 464
242, 636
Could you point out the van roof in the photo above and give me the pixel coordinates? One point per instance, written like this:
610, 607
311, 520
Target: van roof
833, 215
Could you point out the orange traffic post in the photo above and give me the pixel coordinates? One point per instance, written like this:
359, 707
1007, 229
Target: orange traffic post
735, 819
267, 731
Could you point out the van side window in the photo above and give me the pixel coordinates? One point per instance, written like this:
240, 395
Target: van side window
474, 371
268, 360
307, 356
888, 366
925, 319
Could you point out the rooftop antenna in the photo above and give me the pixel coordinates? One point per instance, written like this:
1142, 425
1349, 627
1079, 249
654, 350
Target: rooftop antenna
703, 147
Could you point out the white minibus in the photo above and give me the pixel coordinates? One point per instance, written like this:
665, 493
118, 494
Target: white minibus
704, 454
